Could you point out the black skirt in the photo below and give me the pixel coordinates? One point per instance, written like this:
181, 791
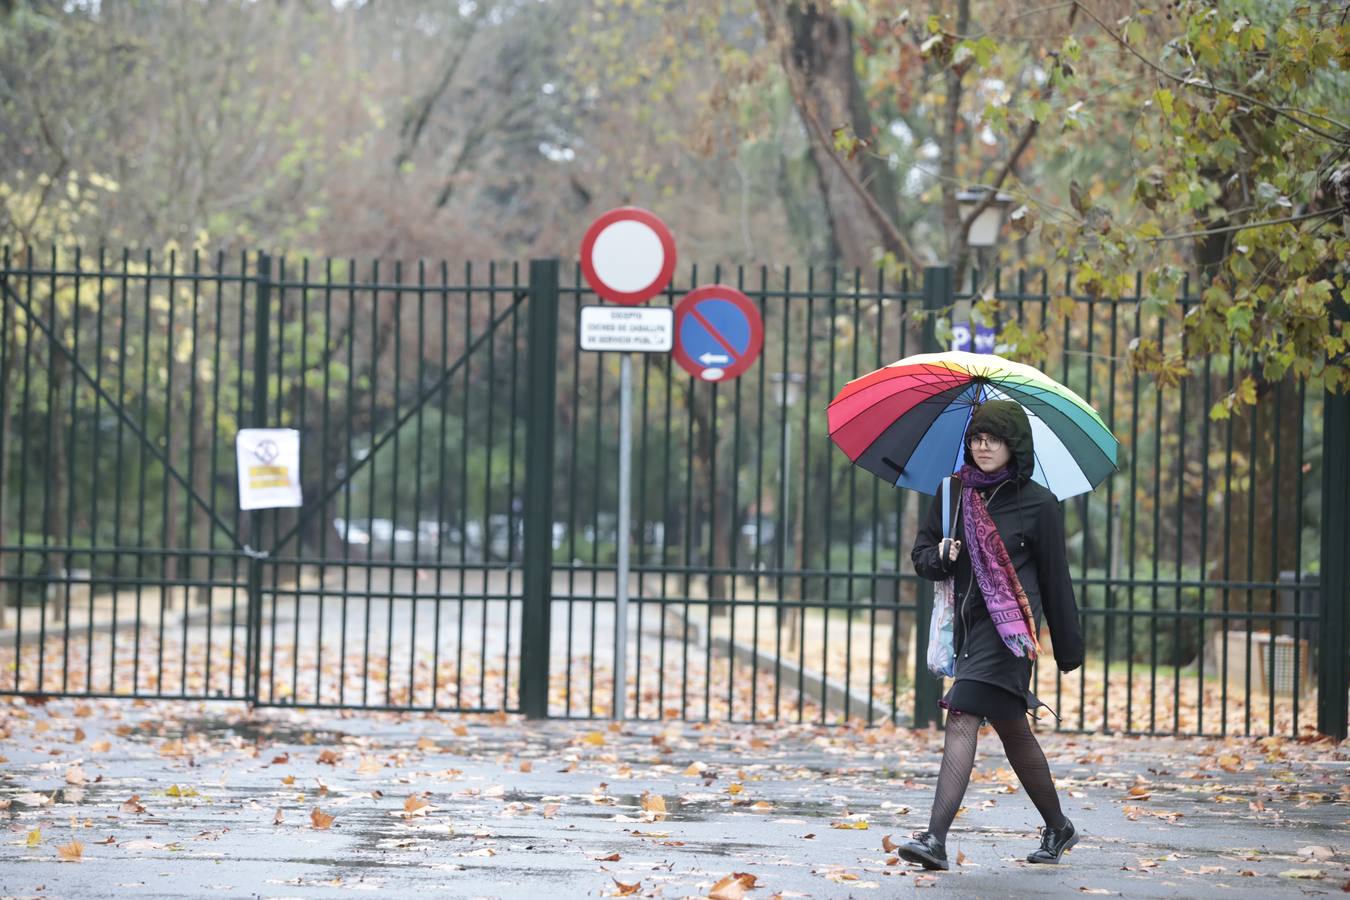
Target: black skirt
979, 698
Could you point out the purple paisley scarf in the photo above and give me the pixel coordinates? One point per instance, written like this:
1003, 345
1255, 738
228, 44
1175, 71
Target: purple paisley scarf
1003, 594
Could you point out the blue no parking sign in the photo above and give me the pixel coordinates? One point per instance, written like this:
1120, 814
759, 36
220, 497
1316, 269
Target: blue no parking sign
718, 333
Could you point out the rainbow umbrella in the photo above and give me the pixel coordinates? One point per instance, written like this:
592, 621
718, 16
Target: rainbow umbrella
906, 422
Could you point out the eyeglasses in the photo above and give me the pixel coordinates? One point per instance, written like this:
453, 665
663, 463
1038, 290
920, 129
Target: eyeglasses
984, 440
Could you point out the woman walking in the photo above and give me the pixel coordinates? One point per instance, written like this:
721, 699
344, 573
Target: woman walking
1010, 569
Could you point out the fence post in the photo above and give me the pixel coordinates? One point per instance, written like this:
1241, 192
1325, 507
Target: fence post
1333, 674
257, 419
937, 294
542, 351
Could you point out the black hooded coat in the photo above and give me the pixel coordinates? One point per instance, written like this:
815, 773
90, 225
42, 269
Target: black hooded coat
1031, 523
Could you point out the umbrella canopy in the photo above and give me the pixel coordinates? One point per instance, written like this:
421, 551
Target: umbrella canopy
906, 422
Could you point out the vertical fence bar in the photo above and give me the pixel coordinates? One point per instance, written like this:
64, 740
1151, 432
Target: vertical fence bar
1334, 589
937, 295
258, 416
538, 556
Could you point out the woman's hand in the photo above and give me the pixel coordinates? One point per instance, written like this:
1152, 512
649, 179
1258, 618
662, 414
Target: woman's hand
949, 549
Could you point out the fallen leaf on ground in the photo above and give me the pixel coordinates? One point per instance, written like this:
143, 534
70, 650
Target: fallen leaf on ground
613, 857
36, 799
34, 837
1309, 874
110, 840
551, 810
76, 775
653, 803
859, 825
329, 757
626, 890
321, 819
888, 845
72, 851
133, 805
279, 818
1321, 854
732, 887
100, 746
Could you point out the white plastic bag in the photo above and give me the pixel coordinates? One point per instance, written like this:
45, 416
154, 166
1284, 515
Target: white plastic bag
941, 640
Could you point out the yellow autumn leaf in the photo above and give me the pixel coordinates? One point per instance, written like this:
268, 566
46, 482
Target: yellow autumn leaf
34, 837
728, 888
320, 819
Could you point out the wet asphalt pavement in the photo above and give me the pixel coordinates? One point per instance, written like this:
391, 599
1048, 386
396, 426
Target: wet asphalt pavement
455, 806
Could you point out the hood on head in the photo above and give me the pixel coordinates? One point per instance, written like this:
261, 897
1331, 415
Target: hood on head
1005, 419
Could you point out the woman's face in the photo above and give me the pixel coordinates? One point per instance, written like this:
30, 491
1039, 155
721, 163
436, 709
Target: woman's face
991, 453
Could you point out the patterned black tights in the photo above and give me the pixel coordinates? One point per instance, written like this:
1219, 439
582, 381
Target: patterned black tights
958, 758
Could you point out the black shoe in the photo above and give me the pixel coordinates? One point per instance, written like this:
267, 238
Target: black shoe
926, 850
1054, 842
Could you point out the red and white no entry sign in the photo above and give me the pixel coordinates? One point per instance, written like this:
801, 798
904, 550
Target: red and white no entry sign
628, 255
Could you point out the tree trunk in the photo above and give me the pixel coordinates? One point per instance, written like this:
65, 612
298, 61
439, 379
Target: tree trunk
817, 54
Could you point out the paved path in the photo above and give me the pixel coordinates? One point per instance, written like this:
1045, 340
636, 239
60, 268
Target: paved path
228, 800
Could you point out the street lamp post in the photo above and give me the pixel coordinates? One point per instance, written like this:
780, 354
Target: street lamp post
984, 231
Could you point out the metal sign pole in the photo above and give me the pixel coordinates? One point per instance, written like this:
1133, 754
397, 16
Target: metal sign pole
625, 502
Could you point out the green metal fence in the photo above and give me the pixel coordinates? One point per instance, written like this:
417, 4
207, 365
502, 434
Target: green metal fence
457, 545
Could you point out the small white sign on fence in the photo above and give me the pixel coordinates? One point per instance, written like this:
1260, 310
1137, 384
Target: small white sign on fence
628, 329
269, 468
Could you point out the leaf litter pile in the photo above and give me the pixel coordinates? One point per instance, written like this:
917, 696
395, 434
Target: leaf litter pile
126, 793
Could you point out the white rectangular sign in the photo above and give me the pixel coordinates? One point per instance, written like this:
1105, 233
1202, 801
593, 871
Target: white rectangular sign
631, 329
269, 467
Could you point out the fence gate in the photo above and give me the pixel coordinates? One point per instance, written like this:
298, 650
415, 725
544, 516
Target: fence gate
127, 567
